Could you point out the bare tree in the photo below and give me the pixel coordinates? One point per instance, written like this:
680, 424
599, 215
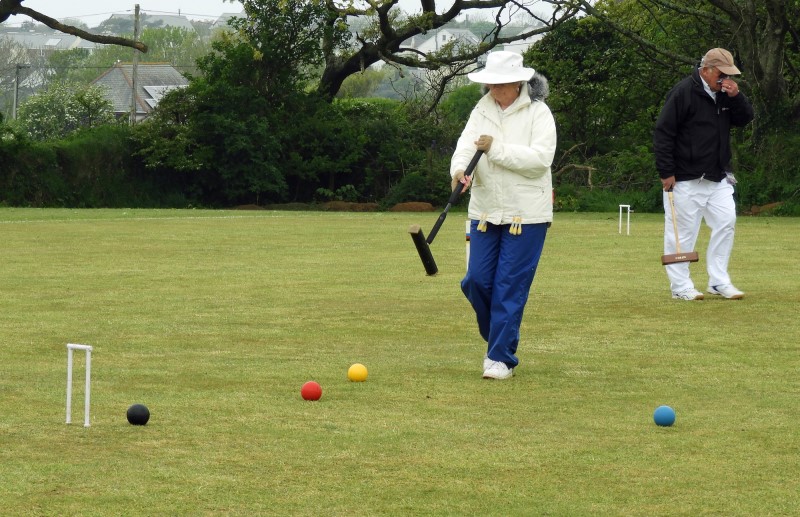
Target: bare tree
390, 28
10, 8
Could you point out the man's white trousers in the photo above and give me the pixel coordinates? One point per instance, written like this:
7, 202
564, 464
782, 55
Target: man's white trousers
698, 200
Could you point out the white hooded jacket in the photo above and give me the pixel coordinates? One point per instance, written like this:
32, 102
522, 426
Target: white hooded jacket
513, 179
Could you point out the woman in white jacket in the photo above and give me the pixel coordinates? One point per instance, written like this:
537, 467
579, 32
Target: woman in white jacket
511, 203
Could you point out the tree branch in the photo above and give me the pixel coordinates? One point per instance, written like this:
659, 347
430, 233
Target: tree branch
705, 16
588, 8
389, 29
69, 29
7, 8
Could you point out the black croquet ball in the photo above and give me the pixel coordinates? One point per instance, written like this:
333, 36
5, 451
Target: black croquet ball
138, 414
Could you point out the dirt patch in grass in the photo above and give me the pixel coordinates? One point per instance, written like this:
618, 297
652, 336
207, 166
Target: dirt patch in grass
413, 206
764, 209
248, 207
347, 206
298, 207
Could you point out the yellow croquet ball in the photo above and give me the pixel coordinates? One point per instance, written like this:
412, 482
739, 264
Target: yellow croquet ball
357, 373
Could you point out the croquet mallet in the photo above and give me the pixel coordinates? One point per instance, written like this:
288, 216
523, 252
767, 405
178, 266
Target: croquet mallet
423, 244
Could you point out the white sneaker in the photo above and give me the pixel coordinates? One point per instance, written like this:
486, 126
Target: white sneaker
688, 294
498, 370
726, 291
486, 362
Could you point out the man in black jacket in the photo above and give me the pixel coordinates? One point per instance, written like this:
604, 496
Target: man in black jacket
693, 154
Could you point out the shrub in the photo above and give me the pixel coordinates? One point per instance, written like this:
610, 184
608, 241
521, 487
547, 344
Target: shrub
768, 173
63, 108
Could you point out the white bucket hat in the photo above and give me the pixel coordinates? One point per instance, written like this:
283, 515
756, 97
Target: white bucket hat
502, 67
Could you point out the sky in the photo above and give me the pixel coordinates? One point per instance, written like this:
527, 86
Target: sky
92, 12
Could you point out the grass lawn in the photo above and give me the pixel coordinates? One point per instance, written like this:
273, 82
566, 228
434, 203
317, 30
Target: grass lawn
215, 319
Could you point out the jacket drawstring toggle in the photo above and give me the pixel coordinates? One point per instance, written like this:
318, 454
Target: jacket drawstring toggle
516, 226
482, 222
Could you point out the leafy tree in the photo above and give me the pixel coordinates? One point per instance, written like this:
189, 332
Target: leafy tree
64, 64
603, 93
216, 134
232, 126
63, 108
459, 104
285, 38
179, 47
363, 84
248, 129
607, 92
605, 101
764, 36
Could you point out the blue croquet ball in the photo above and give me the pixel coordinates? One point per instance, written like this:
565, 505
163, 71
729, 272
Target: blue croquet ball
138, 414
664, 416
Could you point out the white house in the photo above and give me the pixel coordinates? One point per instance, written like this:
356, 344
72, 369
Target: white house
436, 39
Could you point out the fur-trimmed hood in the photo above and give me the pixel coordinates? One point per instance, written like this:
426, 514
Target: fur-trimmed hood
538, 87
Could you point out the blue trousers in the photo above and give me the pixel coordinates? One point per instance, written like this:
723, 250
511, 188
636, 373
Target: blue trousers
498, 280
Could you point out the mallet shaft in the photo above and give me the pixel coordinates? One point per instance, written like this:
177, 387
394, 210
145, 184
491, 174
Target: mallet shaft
674, 258
674, 222
454, 196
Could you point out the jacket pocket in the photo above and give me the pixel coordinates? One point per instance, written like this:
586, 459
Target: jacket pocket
532, 202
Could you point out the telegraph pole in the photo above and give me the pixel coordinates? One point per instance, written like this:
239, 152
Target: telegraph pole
16, 90
135, 64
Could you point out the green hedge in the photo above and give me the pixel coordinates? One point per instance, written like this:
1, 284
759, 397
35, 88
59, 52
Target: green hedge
29, 175
90, 169
365, 151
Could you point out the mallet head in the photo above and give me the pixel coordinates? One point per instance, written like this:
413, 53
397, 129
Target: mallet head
675, 258
424, 249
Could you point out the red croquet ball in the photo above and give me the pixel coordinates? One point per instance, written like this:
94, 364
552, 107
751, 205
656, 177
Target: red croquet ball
311, 391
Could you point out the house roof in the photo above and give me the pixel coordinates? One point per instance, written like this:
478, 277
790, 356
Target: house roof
157, 20
222, 21
464, 34
49, 40
153, 80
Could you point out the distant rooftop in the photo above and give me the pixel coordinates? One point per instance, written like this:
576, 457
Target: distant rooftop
155, 20
49, 40
153, 80
222, 21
